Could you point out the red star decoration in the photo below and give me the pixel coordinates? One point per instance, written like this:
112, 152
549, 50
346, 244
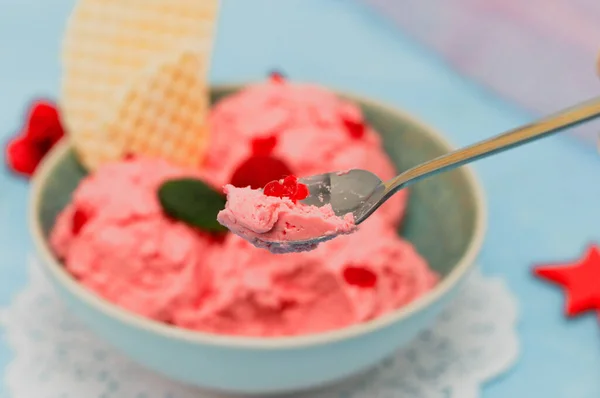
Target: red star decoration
580, 279
41, 131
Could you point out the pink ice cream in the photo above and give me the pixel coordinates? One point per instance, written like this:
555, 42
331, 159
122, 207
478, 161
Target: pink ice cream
269, 222
116, 240
262, 294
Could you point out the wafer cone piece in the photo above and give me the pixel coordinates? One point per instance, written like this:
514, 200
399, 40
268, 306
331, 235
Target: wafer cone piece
162, 113
106, 45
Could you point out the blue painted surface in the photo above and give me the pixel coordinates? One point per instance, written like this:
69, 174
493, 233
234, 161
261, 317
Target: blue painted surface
543, 199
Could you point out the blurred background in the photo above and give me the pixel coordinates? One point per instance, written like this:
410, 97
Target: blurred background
471, 68
538, 53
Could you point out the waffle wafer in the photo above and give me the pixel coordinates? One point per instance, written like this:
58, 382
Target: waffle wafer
162, 113
108, 42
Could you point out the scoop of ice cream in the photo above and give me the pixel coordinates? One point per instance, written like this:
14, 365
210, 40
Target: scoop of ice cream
314, 132
256, 293
262, 219
115, 239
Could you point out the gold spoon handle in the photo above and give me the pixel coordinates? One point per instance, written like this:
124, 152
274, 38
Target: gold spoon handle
541, 128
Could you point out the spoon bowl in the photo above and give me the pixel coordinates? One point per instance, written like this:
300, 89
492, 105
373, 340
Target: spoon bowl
346, 191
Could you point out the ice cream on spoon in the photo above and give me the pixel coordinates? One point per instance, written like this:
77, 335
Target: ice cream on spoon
271, 217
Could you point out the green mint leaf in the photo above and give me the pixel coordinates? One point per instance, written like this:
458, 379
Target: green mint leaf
193, 202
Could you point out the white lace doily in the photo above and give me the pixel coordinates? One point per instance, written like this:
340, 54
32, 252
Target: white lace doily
55, 356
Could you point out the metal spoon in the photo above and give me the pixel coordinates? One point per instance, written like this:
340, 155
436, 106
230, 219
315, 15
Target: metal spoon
361, 192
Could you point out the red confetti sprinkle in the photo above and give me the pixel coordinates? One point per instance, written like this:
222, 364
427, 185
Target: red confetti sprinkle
78, 221
289, 187
359, 276
257, 171
41, 132
580, 279
355, 128
276, 77
264, 146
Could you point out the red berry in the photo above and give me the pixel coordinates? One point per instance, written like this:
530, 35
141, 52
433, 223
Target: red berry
264, 146
290, 180
302, 192
256, 171
289, 192
356, 129
359, 276
78, 221
274, 188
128, 156
289, 187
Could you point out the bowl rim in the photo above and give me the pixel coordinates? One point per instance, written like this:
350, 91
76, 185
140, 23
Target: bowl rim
464, 264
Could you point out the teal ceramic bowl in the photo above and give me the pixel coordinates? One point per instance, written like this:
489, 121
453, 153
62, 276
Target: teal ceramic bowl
445, 221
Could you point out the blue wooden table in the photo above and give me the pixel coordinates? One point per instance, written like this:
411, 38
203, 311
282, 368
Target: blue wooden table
543, 199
